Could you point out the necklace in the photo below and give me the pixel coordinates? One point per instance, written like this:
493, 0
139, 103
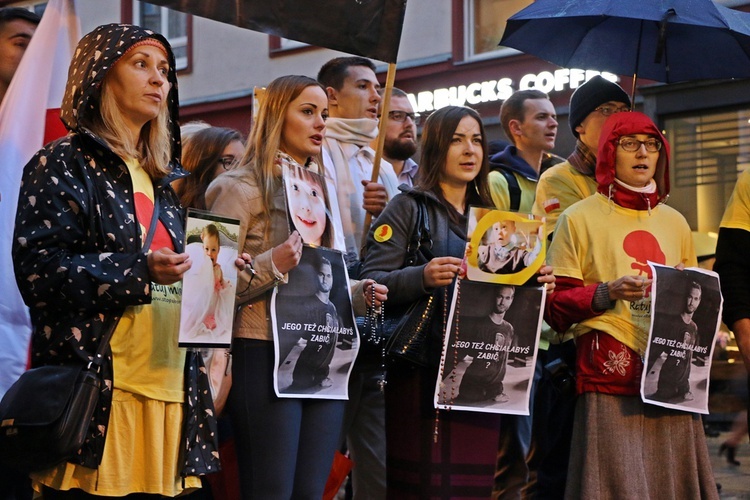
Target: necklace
373, 323
443, 397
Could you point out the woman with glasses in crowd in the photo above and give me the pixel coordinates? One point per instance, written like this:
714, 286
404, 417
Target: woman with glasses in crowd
285, 446
621, 447
206, 154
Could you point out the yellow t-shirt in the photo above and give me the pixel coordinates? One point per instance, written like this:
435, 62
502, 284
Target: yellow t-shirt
737, 213
501, 195
146, 358
560, 187
598, 241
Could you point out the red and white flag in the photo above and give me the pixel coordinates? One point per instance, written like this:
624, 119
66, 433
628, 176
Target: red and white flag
29, 118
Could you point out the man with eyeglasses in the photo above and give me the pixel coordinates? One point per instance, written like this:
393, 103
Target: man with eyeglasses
566, 183
401, 137
558, 188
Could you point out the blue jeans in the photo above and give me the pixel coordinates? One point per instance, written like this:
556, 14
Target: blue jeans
285, 446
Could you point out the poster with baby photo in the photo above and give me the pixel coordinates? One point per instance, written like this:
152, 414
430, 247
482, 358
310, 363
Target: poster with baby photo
504, 247
685, 318
489, 354
315, 339
208, 287
309, 206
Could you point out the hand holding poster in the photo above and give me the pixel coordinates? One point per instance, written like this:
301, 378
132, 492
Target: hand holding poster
208, 288
504, 247
490, 350
686, 311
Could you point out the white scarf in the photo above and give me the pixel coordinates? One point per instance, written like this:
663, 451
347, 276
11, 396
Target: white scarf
359, 131
648, 188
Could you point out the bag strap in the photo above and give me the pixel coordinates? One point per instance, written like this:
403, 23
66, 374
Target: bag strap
420, 239
514, 190
113, 318
152, 226
110, 324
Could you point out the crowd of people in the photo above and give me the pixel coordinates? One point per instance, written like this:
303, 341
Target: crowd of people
106, 244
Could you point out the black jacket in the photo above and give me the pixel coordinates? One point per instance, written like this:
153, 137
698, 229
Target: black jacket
77, 246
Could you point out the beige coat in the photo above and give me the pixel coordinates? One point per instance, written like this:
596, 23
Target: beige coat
236, 194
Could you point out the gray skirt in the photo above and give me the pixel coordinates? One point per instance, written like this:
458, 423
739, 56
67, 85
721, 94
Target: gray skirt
623, 448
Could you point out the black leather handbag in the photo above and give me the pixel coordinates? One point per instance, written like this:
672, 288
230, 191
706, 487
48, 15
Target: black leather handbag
46, 413
407, 341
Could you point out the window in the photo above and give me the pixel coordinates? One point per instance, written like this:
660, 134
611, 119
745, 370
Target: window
170, 23
485, 23
278, 46
709, 151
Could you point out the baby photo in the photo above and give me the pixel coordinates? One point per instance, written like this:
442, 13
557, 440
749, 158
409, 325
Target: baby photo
208, 288
308, 205
504, 247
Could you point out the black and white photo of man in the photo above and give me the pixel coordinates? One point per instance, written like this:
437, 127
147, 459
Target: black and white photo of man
673, 384
316, 338
685, 316
487, 351
314, 361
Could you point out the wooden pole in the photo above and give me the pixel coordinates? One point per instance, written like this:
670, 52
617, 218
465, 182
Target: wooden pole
389, 81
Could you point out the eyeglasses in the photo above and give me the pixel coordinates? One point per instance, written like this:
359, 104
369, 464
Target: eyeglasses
401, 116
227, 162
607, 110
632, 145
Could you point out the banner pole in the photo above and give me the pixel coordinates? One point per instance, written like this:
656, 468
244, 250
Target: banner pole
386, 106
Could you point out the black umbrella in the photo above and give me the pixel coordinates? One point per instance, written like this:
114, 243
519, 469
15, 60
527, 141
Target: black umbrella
662, 40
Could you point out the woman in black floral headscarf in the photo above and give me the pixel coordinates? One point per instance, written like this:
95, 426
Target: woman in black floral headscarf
99, 235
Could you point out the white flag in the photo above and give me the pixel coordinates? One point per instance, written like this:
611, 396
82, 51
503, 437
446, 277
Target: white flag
35, 94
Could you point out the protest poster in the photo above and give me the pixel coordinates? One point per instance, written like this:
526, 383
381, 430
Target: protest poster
490, 348
309, 206
504, 247
315, 339
208, 287
686, 315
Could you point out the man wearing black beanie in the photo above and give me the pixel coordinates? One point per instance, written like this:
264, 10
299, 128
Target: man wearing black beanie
566, 183
558, 188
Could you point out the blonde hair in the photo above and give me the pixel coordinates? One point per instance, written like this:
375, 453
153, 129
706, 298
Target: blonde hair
154, 147
265, 136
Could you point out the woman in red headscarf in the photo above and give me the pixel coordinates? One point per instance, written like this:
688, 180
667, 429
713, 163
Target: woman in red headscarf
622, 447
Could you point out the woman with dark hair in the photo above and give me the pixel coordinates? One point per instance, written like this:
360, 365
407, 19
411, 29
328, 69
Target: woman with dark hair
206, 154
621, 447
455, 455
285, 446
97, 250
